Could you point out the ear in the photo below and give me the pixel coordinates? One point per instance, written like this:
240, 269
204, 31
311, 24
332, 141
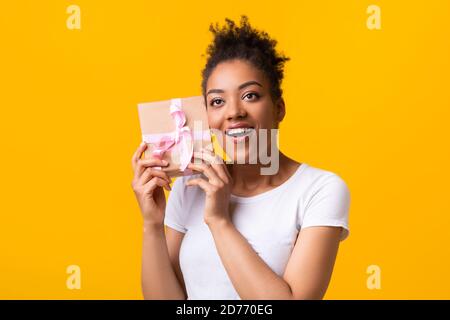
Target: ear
281, 110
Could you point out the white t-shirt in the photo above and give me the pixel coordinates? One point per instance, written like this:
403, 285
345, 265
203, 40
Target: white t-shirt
270, 222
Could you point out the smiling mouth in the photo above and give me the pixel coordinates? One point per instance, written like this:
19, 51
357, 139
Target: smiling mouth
239, 132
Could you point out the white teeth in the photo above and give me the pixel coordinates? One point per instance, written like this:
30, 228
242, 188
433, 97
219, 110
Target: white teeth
239, 132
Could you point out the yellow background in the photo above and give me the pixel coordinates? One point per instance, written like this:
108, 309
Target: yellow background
370, 105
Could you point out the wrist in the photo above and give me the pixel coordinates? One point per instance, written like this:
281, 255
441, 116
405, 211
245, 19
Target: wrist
218, 223
151, 226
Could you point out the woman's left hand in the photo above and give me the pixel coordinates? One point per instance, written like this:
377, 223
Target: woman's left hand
217, 187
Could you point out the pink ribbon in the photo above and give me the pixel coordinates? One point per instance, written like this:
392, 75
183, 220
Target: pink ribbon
182, 135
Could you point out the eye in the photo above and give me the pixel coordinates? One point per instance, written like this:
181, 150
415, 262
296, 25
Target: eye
251, 96
216, 102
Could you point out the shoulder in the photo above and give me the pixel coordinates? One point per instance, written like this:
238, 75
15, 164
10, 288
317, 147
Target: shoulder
180, 200
181, 192
326, 200
317, 180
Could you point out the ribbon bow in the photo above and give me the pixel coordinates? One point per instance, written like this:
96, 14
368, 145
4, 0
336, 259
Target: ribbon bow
182, 136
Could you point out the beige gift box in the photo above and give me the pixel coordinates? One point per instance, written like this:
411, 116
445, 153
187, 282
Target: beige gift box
174, 130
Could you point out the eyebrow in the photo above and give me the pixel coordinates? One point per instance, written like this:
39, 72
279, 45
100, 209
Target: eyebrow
242, 86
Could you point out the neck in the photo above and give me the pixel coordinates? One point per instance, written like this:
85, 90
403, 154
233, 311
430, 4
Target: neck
248, 177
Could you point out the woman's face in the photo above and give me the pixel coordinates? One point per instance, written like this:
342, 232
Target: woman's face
239, 105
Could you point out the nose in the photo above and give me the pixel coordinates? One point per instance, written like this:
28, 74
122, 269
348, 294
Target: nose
235, 110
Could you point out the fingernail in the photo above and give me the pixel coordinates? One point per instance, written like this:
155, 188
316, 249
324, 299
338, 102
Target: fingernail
142, 143
165, 162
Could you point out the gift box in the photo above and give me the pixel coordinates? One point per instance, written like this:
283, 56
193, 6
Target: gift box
174, 130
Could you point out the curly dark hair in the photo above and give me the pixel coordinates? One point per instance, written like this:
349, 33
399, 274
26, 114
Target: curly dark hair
245, 43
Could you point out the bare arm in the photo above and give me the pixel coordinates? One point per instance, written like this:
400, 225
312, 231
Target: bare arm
310, 265
307, 274
159, 279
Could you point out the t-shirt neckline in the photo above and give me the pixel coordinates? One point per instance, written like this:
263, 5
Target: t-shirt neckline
270, 192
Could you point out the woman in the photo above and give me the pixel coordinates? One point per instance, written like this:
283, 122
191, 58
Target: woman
233, 233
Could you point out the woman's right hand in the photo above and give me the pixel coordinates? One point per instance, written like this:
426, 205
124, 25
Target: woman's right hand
147, 185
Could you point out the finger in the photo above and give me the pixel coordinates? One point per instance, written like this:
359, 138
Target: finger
207, 170
227, 171
208, 157
217, 164
150, 172
222, 172
209, 152
202, 183
150, 162
137, 154
154, 183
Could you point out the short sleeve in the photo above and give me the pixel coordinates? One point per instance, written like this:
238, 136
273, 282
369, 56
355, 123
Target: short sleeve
329, 206
174, 216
